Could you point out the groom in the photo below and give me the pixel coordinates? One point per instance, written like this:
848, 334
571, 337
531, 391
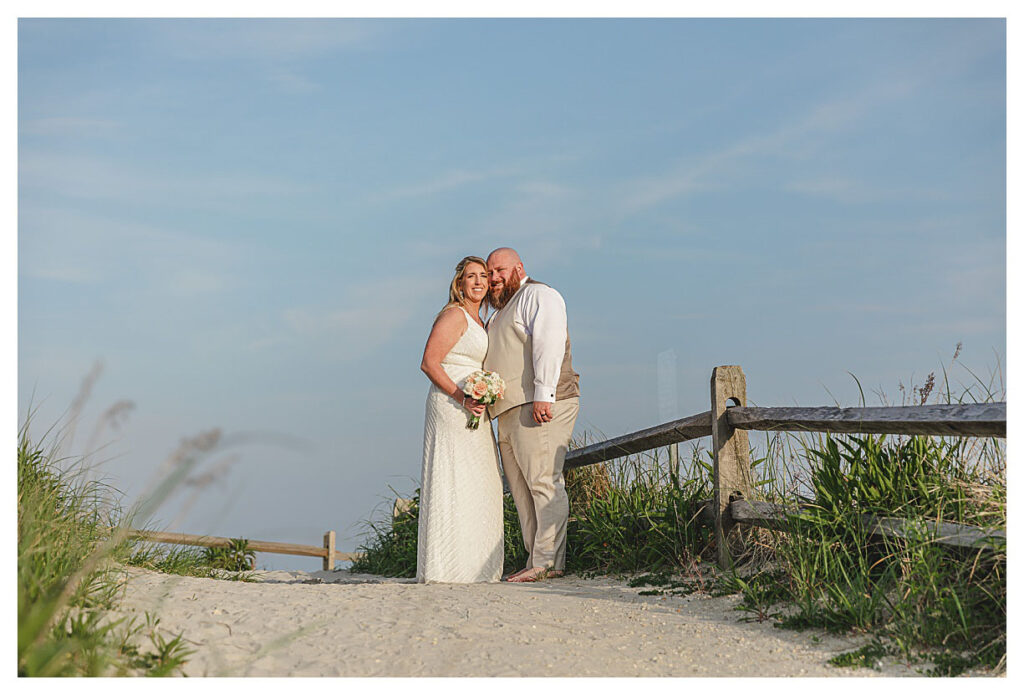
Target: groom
528, 346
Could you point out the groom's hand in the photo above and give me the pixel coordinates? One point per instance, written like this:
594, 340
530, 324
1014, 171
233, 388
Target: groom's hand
542, 412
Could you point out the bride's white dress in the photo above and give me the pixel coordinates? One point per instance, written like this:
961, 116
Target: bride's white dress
460, 521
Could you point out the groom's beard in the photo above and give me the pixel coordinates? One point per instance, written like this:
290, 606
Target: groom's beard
500, 298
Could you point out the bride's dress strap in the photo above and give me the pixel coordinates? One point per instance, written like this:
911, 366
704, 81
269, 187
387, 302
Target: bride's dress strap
469, 317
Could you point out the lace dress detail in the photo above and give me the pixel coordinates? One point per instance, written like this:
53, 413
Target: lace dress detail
461, 517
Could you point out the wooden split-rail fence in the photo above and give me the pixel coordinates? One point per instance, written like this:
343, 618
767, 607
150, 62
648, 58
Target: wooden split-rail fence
734, 501
729, 419
327, 551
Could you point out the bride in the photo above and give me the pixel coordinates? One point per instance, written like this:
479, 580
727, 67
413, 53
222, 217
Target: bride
461, 518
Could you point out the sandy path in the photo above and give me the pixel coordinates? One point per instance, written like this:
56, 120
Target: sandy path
357, 625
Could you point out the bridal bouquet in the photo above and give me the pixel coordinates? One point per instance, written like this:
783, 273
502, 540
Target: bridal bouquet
486, 387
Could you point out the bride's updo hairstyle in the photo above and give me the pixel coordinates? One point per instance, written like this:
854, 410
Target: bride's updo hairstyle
455, 295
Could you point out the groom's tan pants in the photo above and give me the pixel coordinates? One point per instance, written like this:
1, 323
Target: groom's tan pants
532, 457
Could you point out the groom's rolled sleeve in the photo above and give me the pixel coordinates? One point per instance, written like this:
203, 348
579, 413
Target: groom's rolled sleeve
545, 319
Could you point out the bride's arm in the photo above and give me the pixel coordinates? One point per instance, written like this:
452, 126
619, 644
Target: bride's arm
447, 330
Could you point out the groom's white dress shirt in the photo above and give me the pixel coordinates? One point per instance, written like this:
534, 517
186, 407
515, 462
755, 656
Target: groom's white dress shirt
541, 314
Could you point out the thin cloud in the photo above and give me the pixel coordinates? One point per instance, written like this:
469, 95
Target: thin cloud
959, 328
443, 183
61, 270
852, 191
528, 168
809, 134
800, 138
98, 178
291, 81
71, 246
841, 190
69, 126
342, 334
543, 219
197, 281
364, 320
547, 189
268, 39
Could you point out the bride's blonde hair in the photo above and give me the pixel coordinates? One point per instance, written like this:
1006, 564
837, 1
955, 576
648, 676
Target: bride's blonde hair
455, 295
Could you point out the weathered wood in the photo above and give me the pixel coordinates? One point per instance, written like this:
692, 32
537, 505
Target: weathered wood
942, 532
731, 449
777, 516
258, 546
221, 542
692, 427
972, 419
762, 514
981, 420
330, 554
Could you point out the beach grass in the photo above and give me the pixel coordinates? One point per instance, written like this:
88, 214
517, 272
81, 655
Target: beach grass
627, 516
231, 564
922, 601
69, 576
74, 543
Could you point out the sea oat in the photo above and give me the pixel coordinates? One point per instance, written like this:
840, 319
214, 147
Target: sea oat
84, 391
926, 390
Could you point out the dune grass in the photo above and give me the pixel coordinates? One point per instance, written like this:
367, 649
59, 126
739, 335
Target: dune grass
627, 516
922, 601
73, 546
69, 578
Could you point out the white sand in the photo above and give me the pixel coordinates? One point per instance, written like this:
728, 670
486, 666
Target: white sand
359, 625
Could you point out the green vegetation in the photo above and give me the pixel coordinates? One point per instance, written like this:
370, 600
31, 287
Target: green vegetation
229, 564
928, 602
68, 578
634, 515
922, 600
237, 557
868, 656
391, 548
73, 545
937, 601
628, 516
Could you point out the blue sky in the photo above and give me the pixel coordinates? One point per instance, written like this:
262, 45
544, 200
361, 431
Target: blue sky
253, 222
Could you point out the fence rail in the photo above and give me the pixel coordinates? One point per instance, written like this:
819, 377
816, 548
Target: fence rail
971, 419
777, 516
968, 419
693, 427
729, 420
327, 551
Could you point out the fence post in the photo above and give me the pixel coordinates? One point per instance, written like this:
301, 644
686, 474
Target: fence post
731, 448
329, 547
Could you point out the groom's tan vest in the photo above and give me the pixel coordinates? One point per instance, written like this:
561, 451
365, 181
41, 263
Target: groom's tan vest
510, 354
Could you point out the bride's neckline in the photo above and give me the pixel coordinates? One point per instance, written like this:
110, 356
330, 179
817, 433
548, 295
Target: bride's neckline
469, 317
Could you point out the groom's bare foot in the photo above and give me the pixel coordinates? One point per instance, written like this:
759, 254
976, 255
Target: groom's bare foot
530, 574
